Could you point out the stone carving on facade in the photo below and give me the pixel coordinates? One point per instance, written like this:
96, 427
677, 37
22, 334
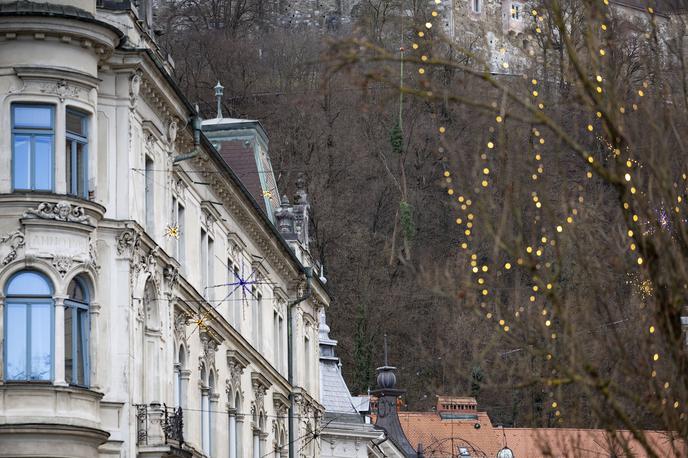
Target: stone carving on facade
13, 240
171, 275
60, 211
92, 260
208, 349
181, 320
128, 242
63, 264
259, 399
172, 132
134, 88
61, 89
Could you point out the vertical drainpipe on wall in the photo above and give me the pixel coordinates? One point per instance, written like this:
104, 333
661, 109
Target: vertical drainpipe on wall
290, 355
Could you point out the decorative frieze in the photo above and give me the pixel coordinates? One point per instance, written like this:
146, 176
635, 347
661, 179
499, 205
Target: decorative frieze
60, 211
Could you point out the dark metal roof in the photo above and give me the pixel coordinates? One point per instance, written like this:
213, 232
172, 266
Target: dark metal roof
26, 8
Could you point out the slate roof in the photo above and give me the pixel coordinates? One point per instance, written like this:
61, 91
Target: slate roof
334, 394
241, 158
25, 8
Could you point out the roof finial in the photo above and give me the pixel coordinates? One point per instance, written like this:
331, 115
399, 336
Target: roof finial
219, 91
386, 350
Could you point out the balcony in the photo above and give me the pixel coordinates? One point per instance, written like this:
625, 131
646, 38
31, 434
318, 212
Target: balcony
160, 431
50, 421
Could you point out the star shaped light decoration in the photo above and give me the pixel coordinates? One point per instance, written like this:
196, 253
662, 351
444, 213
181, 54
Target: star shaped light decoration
172, 231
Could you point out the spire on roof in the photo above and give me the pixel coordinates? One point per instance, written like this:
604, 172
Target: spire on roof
219, 92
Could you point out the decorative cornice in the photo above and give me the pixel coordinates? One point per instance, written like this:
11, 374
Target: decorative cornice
259, 380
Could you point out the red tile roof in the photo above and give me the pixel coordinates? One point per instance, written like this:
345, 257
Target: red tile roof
440, 436
587, 443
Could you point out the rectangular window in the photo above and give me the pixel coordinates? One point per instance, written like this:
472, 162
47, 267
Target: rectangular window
516, 11
150, 196
33, 136
181, 241
211, 269
275, 340
476, 5
76, 150
280, 346
307, 362
235, 292
204, 262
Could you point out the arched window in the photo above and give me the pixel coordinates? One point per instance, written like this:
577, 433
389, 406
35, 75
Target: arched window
76, 328
28, 327
179, 366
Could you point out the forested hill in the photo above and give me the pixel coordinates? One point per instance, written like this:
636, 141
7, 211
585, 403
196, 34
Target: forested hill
374, 234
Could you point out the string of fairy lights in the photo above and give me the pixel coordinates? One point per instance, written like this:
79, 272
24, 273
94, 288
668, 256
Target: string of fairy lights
531, 257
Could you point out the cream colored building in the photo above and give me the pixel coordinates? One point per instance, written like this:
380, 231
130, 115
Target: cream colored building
148, 306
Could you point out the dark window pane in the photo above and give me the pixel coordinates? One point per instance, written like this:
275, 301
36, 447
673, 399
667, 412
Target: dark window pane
15, 329
82, 346
81, 172
33, 116
69, 343
28, 283
76, 291
76, 123
21, 173
43, 166
41, 355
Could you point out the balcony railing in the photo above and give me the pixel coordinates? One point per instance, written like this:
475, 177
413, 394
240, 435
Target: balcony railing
159, 425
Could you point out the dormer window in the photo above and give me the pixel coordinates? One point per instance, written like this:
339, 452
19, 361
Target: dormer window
33, 147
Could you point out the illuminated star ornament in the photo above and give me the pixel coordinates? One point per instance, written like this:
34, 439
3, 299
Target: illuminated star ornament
245, 285
172, 231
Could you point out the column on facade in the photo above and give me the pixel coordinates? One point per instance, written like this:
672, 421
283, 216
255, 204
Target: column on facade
177, 385
256, 443
232, 433
239, 436
205, 420
212, 424
93, 344
2, 334
185, 375
59, 353
263, 437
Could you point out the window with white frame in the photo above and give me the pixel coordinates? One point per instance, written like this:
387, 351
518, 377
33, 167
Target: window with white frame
210, 271
149, 184
76, 329
28, 324
76, 151
476, 5
204, 262
33, 147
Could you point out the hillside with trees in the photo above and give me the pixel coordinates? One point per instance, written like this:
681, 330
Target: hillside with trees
520, 237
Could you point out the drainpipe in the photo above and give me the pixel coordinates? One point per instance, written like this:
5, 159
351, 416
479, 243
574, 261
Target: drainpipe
290, 355
196, 125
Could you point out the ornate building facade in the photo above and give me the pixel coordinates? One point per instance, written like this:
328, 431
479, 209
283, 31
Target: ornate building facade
149, 305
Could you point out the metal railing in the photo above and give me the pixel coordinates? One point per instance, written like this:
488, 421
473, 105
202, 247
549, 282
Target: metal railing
159, 425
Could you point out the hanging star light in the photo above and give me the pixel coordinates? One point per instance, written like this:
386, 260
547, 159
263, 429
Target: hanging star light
172, 231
